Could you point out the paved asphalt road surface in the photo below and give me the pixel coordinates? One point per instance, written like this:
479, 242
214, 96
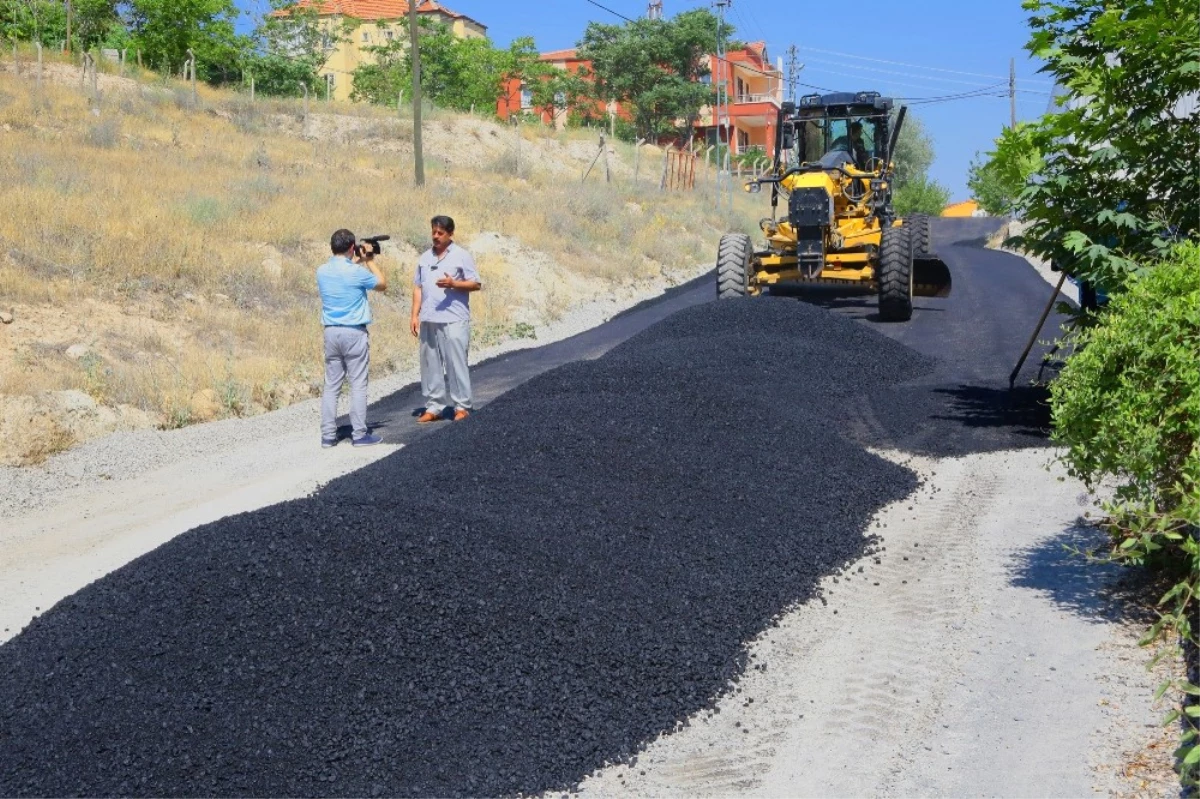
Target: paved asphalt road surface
507, 604
980, 332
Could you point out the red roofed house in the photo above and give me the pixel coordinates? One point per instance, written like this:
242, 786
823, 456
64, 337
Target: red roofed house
755, 91
374, 23
754, 86
517, 99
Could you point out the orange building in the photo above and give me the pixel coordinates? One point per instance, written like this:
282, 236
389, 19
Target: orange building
755, 89
518, 99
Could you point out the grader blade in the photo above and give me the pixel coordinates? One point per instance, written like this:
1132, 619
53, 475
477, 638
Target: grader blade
931, 277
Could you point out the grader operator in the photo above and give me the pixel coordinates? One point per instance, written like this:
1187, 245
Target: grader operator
833, 167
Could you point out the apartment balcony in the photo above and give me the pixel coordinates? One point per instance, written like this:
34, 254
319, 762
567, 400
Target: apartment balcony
754, 110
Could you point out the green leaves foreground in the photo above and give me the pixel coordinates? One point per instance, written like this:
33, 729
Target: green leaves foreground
1127, 407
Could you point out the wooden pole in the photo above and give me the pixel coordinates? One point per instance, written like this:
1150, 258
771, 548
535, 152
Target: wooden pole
304, 86
252, 89
637, 157
415, 54
604, 149
38, 45
192, 66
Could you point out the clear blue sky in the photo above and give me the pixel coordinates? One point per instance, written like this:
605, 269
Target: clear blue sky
939, 48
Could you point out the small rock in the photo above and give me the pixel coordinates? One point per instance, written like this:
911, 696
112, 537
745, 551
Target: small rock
6, 317
77, 351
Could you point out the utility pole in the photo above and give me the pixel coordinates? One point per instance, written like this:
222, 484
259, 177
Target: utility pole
721, 76
794, 67
654, 9
414, 43
1012, 91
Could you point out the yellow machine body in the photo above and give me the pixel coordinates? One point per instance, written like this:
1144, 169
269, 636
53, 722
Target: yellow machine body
851, 245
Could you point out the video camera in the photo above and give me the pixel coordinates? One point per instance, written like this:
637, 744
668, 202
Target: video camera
369, 244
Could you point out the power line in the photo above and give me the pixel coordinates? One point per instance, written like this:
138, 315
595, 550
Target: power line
609, 10
893, 72
921, 66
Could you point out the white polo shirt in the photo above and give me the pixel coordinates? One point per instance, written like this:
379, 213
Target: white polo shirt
439, 304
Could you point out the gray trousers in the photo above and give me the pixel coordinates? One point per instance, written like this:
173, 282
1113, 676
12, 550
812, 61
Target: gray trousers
444, 347
347, 356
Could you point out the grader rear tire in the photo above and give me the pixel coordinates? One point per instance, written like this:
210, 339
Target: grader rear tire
733, 266
895, 275
922, 243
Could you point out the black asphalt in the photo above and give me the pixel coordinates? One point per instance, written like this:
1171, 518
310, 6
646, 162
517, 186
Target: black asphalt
513, 601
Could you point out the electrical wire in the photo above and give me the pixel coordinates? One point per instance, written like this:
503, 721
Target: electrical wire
921, 66
609, 10
811, 59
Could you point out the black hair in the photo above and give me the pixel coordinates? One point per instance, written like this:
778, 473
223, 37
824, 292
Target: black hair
444, 222
342, 241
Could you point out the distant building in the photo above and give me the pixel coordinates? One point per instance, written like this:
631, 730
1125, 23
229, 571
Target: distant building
373, 23
517, 97
964, 208
754, 86
755, 91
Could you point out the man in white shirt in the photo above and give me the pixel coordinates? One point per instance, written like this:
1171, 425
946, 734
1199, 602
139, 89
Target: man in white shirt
441, 320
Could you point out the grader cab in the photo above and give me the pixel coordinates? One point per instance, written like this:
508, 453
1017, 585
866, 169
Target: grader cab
833, 168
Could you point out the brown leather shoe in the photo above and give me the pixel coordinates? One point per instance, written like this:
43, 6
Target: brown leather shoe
460, 414
428, 417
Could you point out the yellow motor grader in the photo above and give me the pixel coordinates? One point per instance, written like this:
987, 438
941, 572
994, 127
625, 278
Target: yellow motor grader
833, 167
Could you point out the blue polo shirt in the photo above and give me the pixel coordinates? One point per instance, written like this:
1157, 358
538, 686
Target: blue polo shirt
343, 286
439, 304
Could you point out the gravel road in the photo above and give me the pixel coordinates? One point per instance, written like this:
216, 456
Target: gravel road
725, 548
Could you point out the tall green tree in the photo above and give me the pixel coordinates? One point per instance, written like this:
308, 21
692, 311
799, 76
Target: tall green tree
998, 180
94, 22
1121, 178
291, 45
456, 73
165, 29
653, 68
914, 191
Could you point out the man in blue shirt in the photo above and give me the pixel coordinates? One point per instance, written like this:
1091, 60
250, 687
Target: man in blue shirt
343, 282
441, 320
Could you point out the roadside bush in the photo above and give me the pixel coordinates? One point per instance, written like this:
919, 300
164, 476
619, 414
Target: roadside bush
1127, 407
920, 195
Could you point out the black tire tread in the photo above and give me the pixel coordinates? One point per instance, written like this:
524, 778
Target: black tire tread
733, 264
922, 241
895, 275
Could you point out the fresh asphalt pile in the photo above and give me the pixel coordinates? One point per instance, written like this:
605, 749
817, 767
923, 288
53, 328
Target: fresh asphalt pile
501, 607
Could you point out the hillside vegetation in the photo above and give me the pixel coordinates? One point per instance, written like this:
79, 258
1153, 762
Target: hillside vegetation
157, 252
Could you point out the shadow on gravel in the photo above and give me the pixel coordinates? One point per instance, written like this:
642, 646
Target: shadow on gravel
1061, 568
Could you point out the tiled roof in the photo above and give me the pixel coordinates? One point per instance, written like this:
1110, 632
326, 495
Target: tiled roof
375, 9
559, 55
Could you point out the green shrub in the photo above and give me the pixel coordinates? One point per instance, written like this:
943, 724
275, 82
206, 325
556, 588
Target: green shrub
920, 195
1127, 407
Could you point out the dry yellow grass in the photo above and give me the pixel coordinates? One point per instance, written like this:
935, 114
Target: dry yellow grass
179, 242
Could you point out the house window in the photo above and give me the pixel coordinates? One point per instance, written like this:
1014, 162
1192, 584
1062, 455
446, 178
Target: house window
743, 141
390, 35
366, 36
526, 97
706, 78
326, 44
560, 99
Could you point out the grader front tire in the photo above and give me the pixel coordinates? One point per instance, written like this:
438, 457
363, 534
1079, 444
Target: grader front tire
895, 275
733, 266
